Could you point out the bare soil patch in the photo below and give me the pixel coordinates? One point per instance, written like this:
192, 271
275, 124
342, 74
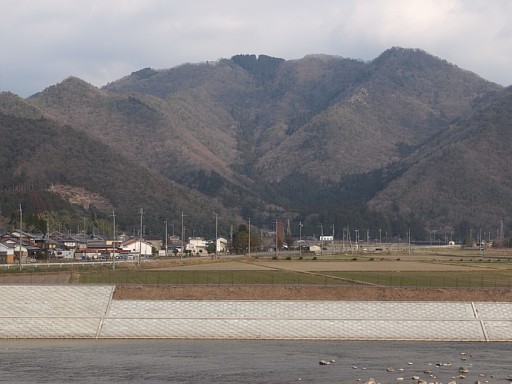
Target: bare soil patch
36, 278
145, 292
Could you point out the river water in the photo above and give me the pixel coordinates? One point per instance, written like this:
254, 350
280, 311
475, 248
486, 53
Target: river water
221, 361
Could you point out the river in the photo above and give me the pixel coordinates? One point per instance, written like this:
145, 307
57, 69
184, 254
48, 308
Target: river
224, 361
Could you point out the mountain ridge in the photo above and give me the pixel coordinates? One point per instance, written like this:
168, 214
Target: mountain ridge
318, 139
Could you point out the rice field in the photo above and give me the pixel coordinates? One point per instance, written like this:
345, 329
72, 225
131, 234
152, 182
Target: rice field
433, 270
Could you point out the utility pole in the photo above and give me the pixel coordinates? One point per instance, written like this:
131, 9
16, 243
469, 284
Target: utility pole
349, 240
21, 230
332, 242
276, 239
141, 212
48, 236
216, 238
182, 236
249, 237
409, 240
114, 242
166, 237
85, 234
321, 239
300, 238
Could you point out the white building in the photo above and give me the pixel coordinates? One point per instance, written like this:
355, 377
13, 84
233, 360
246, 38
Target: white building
197, 245
222, 245
136, 246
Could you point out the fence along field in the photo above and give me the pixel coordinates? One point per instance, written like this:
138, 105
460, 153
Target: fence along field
462, 270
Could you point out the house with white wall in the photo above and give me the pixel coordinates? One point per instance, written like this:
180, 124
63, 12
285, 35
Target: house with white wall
197, 245
136, 245
221, 245
6, 254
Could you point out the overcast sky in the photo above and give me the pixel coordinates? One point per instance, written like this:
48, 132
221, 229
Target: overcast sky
43, 42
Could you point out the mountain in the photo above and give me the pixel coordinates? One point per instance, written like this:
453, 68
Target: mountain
462, 178
49, 165
396, 103
323, 139
186, 138
312, 116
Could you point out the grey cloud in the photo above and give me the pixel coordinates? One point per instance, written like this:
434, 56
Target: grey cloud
43, 42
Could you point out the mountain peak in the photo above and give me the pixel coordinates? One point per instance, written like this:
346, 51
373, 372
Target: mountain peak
69, 86
13, 105
71, 91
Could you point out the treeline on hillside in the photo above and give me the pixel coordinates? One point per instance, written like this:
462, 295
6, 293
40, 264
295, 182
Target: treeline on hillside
262, 67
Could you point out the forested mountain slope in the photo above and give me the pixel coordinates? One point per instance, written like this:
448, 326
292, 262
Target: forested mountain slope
461, 179
322, 139
41, 159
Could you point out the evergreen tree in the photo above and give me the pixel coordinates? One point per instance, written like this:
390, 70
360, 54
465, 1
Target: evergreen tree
241, 240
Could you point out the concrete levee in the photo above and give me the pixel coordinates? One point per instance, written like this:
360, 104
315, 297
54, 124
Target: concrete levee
90, 312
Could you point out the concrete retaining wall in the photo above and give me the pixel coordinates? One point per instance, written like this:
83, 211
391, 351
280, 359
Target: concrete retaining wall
89, 312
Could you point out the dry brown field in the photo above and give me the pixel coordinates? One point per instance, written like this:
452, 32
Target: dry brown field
361, 293
405, 263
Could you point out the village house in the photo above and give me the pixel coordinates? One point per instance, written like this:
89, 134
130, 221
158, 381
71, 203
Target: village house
196, 246
29, 251
81, 246
6, 254
137, 246
199, 246
221, 245
155, 241
26, 238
